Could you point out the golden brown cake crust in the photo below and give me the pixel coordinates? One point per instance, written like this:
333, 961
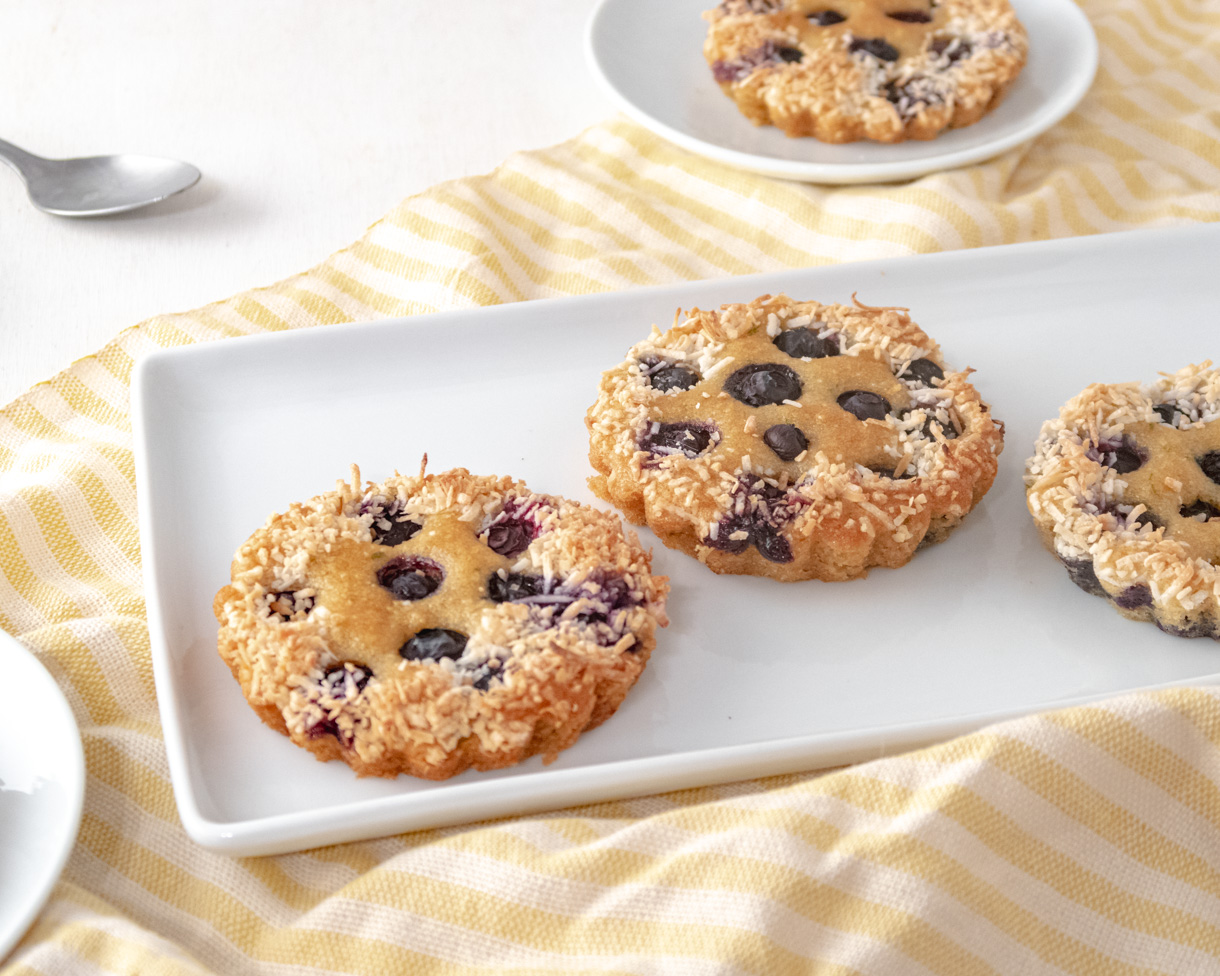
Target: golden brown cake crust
804, 487
430, 624
883, 70
1125, 489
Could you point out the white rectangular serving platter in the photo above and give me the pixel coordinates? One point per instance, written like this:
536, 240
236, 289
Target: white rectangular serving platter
752, 677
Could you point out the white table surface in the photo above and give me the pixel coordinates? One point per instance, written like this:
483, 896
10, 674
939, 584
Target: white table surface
309, 122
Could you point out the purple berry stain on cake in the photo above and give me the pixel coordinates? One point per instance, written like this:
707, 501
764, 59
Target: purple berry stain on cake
1081, 572
1197, 628
608, 597
758, 514
410, 577
341, 683
1134, 597
768, 53
517, 525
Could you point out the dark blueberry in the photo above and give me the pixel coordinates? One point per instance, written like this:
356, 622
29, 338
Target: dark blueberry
727, 529
1082, 574
510, 539
410, 577
1133, 597
876, 46
826, 18
1123, 455
771, 545
911, 16
334, 682
923, 370
760, 384
691, 438
673, 377
790, 54
956, 51
864, 404
512, 587
285, 604
1200, 507
802, 343
1126, 460
1198, 628
1168, 413
897, 94
433, 644
786, 441
1210, 463
484, 675
889, 472
1147, 518
397, 533
947, 428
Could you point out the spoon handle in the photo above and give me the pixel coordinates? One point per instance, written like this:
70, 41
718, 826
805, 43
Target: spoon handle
22, 161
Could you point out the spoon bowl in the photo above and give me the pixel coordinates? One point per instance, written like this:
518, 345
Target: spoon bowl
93, 186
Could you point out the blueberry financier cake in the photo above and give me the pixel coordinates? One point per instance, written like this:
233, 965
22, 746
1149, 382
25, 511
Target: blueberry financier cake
434, 623
793, 440
844, 70
1125, 489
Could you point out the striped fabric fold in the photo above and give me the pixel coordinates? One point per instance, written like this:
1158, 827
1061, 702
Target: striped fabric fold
1085, 841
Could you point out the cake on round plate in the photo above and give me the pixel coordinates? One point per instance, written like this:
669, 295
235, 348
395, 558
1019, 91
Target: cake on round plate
846, 70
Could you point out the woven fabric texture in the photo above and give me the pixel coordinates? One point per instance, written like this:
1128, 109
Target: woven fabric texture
1084, 841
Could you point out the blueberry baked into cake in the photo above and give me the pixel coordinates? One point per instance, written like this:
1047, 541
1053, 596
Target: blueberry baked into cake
845, 70
1125, 489
430, 624
793, 440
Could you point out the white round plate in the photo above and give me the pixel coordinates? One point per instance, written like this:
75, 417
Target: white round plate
42, 789
649, 56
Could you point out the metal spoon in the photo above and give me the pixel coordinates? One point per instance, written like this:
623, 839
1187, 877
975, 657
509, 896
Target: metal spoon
96, 185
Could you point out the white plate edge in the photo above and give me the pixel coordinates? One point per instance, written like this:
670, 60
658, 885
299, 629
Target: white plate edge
76, 798
387, 815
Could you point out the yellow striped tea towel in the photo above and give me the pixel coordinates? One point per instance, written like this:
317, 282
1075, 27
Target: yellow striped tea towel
1084, 842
